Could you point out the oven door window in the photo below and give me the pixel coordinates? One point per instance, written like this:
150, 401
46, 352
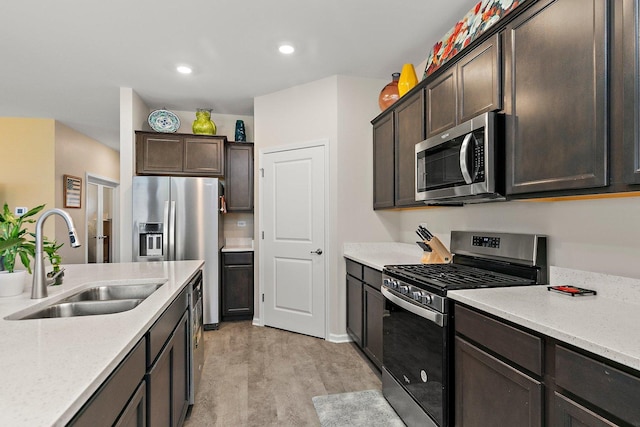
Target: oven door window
413, 352
439, 167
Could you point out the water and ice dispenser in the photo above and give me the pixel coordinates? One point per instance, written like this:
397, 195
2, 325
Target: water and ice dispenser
151, 239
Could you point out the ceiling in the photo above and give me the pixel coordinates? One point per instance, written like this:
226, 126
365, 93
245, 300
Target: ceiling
67, 59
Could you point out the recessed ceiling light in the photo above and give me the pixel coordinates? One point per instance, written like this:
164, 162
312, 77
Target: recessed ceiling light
287, 49
184, 69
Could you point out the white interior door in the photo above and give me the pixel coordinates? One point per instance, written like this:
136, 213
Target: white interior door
100, 232
293, 222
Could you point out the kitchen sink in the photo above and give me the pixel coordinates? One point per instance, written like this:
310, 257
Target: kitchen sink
103, 299
115, 292
84, 308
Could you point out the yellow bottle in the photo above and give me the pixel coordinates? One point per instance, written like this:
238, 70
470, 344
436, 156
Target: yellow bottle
408, 79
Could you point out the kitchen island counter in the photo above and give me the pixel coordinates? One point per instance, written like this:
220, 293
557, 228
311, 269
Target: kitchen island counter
51, 367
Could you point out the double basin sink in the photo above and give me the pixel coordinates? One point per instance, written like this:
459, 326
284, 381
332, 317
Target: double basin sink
104, 299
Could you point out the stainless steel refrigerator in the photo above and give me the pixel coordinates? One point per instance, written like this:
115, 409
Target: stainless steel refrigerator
178, 218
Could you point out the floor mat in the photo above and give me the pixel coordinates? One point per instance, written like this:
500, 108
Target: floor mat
361, 408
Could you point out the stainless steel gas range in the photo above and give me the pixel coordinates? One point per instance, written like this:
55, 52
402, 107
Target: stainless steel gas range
417, 374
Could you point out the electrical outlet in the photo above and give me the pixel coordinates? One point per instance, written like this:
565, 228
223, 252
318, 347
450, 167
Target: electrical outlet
242, 223
21, 211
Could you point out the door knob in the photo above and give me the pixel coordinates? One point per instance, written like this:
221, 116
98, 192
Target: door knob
317, 251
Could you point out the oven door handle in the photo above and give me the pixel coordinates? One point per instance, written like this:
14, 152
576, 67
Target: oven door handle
425, 313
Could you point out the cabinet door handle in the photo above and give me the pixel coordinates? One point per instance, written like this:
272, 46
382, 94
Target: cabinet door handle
317, 251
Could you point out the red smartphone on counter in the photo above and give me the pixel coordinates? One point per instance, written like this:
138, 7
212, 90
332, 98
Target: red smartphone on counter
571, 290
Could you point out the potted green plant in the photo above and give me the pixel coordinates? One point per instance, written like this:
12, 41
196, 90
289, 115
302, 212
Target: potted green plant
15, 242
51, 249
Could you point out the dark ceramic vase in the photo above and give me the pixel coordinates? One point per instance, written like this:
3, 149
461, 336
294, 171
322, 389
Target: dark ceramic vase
241, 136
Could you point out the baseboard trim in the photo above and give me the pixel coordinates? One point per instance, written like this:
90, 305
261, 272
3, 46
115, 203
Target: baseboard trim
339, 338
256, 322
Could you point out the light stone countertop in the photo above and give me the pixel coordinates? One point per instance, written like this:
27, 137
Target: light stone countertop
605, 324
50, 367
377, 255
238, 244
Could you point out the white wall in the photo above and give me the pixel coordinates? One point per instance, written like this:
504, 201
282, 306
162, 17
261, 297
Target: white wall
133, 115
601, 235
76, 154
353, 211
337, 109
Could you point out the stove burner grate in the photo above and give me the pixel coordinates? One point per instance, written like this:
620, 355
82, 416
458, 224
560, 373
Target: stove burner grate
454, 275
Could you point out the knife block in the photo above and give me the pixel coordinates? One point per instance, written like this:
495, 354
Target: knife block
439, 253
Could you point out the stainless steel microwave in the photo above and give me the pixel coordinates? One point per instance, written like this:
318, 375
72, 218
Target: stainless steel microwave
463, 164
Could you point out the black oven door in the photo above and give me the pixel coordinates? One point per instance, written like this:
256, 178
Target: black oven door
415, 354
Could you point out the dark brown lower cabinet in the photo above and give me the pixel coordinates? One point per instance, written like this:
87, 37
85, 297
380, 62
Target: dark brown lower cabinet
499, 382
119, 391
237, 285
571, 414
373, 312
598, 384
135, 413
167, 380
365, 307
489, 392
354, 309
151, 385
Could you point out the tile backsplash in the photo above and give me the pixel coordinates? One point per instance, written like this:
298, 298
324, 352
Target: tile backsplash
238, 225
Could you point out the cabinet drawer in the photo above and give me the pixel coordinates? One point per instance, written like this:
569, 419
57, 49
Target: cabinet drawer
354, 269
518, 346
164, 326
372, 277
237, 258
611, 389
105, 405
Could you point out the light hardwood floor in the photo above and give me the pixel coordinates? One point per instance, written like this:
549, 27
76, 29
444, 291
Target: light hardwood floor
260, 376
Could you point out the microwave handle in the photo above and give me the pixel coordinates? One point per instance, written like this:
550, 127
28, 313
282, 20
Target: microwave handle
464, 167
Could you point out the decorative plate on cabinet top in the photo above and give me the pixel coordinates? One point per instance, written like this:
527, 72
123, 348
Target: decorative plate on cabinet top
163, 121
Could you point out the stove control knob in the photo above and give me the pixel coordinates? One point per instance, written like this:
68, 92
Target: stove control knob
417, 295
394, 284
404, 289
427, 298
387, 282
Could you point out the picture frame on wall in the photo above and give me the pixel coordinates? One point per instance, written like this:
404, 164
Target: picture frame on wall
72, 191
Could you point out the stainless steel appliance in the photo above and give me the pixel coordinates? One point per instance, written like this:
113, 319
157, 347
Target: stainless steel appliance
178, 218
417, 368
463, 164
196, 336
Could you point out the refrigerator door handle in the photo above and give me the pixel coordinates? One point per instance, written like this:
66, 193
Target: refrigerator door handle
165, 232
172, 230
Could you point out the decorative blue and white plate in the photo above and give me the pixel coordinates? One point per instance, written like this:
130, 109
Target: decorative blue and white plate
163, 121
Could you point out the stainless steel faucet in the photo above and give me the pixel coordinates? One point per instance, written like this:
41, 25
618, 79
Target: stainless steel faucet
39, 288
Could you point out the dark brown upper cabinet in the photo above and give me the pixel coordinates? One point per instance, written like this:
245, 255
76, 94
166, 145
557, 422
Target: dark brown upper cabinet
409, 130
555, 62
631, 91
471, 86
239, 177
442, 102
179, 154
383, 162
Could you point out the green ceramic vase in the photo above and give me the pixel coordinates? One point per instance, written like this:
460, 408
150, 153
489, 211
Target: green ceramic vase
203, 125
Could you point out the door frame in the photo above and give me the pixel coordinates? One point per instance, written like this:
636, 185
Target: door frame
107, 182
324, 143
